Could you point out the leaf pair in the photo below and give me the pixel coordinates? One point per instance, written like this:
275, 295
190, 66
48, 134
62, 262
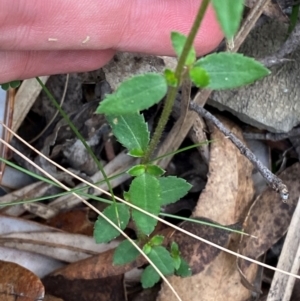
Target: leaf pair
146, 192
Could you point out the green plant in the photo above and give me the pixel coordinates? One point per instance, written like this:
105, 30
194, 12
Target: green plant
12, 84
149, 189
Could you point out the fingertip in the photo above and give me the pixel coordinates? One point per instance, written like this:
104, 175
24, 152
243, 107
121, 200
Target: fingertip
29, 64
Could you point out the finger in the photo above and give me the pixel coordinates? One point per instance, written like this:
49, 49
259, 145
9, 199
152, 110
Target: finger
27, 64
130, 25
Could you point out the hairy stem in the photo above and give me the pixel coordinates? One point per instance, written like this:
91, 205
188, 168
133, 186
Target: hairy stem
173, 90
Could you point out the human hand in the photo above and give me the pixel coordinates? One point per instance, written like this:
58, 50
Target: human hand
43, 38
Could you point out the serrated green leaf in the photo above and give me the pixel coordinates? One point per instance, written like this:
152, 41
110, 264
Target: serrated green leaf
162, 260
131, 130
184, 269
137, 170
145, 193
231, 70
178, 41
155, 170
229, 14
199, 77
157, 240
119, 215
125, 253
171, 78
149, 277
135, 94
172, 189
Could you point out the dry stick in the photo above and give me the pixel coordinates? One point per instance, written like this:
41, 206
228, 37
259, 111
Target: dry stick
273, 136
137, 208
272, 179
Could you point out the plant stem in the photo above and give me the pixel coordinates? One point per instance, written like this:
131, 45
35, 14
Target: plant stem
173, 90
80, 137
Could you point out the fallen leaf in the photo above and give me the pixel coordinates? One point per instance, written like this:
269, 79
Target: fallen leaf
73, 221
19, 284
225, 200
197, 253
105, 289
268, 219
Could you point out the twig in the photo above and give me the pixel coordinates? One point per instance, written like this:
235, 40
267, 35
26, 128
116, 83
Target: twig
272, 179
282, 286
273, 136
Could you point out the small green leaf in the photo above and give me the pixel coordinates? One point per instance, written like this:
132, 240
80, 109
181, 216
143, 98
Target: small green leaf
199, 77
229, 14
157, 240
172, 189
13, 84
184, 269
125, 253
162, 260
119, 215
176, 262
171, 78
231, 70
149, 277
145, 193
136, 153
135, 94
5, 86
131, 131
178, 41
147, 248
175, 255
126, 196
137, 170
155, 170
174, 249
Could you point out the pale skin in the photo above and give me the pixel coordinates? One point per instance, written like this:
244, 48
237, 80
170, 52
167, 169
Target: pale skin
50, 37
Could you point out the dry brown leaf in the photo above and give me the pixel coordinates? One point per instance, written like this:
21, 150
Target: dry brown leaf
105, 289
268, 219
229, 188
99, 266
73, 221
198, 253
19, 284
226, 200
